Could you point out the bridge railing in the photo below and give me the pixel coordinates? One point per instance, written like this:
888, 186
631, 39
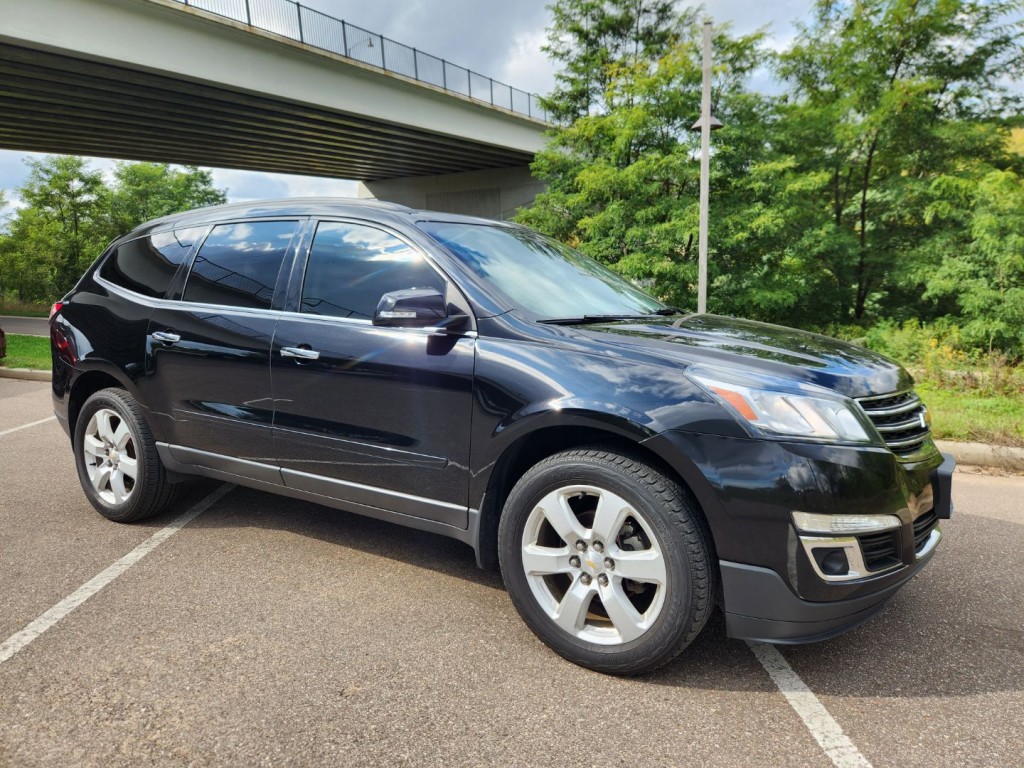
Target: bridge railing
319, 30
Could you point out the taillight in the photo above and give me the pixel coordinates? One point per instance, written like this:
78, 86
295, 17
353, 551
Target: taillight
61, 343
55, 308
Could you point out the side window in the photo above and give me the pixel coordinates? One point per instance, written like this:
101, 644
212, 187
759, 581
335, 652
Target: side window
351, 266
148, 264
238, 264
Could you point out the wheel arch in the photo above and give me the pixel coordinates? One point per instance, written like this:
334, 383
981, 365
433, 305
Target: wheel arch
529, 448
87, 384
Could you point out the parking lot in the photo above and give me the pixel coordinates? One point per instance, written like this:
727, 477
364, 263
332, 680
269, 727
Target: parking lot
268, 631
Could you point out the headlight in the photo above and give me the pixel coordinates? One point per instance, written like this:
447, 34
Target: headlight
805, 412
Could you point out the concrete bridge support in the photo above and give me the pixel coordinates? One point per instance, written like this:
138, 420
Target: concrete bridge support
493, 193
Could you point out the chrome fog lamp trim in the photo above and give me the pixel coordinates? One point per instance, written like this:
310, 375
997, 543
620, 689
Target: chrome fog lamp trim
844, 525
850, 546
930, 543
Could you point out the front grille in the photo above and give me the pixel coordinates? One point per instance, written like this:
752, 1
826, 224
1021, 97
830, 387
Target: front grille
900, 419
923, 527
880, 550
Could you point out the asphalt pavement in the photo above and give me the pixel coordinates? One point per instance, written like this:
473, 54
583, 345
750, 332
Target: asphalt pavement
269, 631
25, 326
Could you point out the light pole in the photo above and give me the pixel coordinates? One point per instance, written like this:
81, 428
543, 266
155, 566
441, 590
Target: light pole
705, 125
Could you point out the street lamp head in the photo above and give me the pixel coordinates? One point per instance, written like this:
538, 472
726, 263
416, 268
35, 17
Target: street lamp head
368, 42
713, 122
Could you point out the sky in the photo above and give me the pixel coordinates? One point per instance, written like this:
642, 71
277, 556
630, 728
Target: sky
498, 38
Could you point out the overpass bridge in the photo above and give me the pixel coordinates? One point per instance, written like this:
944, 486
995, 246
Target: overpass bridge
263, 85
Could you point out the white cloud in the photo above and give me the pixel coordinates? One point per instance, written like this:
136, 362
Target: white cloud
252, 185
525, 67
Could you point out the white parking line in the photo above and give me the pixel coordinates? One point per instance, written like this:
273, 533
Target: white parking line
823, 727
20, 640
26, 426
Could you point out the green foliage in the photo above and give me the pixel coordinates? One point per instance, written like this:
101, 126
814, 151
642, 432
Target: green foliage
886, 96
622, 184
144, 191
592, 38
885, 182
70, 213
986, 277
61, 227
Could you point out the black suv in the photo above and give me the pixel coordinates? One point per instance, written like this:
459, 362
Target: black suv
627, 466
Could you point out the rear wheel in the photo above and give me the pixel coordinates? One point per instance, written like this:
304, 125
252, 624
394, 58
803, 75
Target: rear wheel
118, 465
607, 560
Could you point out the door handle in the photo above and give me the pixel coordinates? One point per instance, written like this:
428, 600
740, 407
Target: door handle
300, 352
166, 337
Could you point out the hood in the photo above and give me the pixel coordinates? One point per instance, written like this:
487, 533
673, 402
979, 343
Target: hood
751, 346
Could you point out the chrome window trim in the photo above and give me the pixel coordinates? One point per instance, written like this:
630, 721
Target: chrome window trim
178, 304
276, 313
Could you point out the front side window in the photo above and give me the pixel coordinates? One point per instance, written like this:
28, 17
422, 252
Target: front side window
147, 265
351, 266
239, 263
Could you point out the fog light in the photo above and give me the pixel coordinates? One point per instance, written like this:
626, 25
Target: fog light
832, 562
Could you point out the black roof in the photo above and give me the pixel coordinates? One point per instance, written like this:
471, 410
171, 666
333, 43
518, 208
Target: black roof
298, 206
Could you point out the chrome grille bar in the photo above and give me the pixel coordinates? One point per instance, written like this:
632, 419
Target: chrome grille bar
889, 413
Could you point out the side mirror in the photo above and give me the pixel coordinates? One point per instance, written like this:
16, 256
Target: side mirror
411, 308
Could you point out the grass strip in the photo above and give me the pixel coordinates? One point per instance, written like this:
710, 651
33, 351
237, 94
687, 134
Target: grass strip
971, 416
27, 352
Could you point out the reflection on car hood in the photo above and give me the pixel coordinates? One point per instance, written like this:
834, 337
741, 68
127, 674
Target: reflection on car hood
730, 342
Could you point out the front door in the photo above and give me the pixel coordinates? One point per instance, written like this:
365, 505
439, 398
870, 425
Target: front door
377, 417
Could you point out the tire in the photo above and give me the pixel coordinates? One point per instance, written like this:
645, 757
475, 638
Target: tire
573, 527
113, 441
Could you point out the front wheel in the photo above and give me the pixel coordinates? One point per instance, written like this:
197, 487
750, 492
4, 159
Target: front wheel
607, 560
118, 465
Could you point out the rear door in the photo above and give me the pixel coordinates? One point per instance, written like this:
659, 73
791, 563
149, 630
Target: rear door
378, 417
209, 353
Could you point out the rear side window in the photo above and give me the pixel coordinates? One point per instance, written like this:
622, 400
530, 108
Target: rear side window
148, 264
238, 264
351, 266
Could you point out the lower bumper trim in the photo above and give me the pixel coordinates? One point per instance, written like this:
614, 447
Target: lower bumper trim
759, 605
795, 632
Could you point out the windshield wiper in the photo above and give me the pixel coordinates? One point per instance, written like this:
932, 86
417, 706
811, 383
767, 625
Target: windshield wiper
585, 319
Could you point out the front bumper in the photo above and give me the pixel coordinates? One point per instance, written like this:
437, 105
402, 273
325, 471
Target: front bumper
772, 588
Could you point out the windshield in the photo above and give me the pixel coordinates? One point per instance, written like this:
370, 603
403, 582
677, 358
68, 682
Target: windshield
540, 275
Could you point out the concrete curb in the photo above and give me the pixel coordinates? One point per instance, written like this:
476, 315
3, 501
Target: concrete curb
984, 455
967, 454
26, 374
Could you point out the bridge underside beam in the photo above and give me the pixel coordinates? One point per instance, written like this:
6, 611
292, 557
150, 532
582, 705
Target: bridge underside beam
54, 102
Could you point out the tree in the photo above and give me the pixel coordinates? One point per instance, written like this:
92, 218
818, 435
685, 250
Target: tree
887, 95
591, 38
623, 181
144, 191
69, 214
985, 277
62, 226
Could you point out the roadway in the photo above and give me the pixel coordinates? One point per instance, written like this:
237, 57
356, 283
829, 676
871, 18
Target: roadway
25, 326
268, 631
